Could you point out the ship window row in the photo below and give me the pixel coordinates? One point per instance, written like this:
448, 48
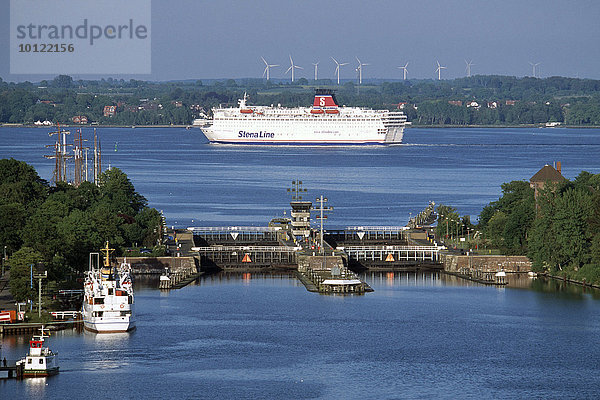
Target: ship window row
301, 119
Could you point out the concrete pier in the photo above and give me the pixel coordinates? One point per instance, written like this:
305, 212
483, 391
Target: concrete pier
328, 274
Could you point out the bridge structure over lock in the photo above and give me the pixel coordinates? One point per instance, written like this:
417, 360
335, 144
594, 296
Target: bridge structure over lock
393, 257
247, 257
235, 235
364, 247
368, 235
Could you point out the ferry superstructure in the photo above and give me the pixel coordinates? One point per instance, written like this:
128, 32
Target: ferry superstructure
108, 297
323, 123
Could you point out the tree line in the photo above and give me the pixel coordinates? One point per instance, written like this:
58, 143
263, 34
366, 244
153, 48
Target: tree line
59, 226
513, 101
559, 230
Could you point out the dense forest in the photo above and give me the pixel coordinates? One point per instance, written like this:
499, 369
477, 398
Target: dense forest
559, 231
60, 225
477, 100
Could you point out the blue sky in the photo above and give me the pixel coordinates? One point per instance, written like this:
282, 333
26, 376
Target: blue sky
196, 39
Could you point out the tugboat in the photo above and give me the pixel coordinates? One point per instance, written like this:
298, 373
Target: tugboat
108, 297
40, 361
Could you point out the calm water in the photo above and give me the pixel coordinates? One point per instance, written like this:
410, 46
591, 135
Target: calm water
253, 337
180, 173
262, 336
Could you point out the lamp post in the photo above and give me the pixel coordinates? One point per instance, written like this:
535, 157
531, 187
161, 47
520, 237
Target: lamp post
30, 285
3, 261
446, 218
321, 201
39, 275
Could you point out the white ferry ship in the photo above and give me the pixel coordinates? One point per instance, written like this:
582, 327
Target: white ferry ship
324, 123
108, 297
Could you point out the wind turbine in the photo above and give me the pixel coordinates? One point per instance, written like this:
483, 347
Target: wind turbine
469, 67
268, 67
533, 66
404, 70
316, 65
291, 68
439, 70
359, 70
337, 68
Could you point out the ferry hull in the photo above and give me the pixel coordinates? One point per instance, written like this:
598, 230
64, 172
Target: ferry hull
299, 139
108, 326
40, 373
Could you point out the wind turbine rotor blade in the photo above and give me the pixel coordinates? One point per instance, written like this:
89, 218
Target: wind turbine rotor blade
297, 66
265, 61
344, 64
265, 71
288, 70
335, 61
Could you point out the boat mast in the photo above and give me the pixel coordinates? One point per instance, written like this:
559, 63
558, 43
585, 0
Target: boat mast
107, 252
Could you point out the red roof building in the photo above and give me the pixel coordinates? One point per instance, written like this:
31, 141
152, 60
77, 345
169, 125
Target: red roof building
109, 111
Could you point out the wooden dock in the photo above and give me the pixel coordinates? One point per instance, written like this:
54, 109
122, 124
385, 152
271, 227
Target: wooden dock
484, 279
11, 371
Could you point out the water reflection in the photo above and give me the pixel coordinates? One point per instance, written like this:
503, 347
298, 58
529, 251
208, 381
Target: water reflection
562, 289
36, 387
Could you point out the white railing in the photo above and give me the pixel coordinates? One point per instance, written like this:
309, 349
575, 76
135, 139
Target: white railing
392, 248
376, 228
393, 253
274, 249
234, 229
65, 314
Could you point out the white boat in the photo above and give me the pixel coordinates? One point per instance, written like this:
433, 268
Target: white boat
108, 296
40, 361
325, 123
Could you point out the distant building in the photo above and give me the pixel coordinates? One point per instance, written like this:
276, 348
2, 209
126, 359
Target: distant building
511, 102
455, 102
473, 104
80, 119
401, 105
492, 104
110, 111
546, 174
177, 103
553, 124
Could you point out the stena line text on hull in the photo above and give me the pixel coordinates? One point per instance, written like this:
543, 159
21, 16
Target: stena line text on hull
261, 134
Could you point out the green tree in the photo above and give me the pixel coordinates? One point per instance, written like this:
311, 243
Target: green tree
62, 81
20, 273
118, 194
572, 241
507, 221
20, 183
